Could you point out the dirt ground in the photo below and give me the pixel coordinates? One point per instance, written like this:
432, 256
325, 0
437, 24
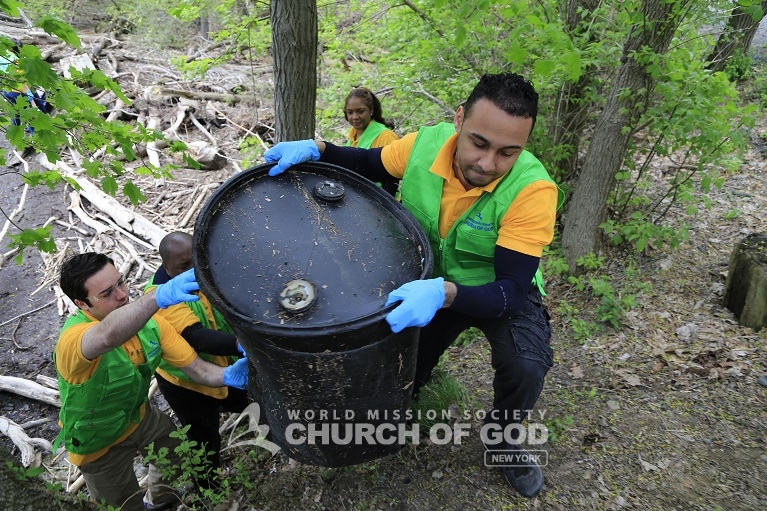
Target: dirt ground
664, 413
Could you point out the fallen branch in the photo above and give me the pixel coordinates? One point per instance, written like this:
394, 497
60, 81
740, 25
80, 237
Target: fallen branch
77, 485
226, 98
123, 217
26, 445
30, 389
36, 422
47, 381
202, 129
203, 51
77, 209
26, 314
73, 227
15, 212
193, 209
153, 386
47, 54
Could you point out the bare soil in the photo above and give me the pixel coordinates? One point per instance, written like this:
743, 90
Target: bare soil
663, 413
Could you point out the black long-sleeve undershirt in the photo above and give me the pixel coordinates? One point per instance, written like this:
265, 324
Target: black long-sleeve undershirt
514, 270
212, 342
201, 339
365, 162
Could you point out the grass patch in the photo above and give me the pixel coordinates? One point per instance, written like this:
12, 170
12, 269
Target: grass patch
442, 395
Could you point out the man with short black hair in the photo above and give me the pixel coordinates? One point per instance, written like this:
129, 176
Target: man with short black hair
488, 207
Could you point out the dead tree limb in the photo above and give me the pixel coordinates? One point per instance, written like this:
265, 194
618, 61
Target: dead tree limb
30, 389
226, 98
26, 445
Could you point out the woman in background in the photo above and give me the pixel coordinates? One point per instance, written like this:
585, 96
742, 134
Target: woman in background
362, 110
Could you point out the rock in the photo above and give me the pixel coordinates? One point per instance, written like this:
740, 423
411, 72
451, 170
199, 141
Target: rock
688, 332
762, 380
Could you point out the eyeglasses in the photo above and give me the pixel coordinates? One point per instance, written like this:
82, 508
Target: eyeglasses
107, 293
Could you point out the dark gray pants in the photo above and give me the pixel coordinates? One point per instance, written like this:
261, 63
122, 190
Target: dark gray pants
520, 350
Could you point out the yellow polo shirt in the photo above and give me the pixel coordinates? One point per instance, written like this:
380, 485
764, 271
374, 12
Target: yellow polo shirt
181, 316
528, 224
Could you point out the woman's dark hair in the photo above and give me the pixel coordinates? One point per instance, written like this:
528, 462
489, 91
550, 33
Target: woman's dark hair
76, 270
372, 103
509, 92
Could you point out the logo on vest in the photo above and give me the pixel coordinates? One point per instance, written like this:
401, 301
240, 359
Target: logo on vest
154, 349
478, 224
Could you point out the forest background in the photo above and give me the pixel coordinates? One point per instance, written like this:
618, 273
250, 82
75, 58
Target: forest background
648, 113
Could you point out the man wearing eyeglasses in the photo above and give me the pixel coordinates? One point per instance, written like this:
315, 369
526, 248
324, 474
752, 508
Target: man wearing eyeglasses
105, 357
206, 330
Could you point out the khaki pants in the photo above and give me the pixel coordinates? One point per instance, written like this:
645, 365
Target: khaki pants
111, 477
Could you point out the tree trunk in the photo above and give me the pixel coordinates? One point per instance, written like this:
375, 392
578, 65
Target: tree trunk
205, 26
294, 47
23, 493
571, 117
746, 288
737, 35
609, 143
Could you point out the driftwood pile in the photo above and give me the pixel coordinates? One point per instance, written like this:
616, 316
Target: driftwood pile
205, 114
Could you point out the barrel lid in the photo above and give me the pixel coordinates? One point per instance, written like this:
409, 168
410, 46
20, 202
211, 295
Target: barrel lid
314, 247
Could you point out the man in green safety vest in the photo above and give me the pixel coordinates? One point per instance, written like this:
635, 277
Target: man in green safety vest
488, 207
105, 357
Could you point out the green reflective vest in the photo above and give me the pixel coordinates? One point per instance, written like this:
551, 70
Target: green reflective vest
371, 133
97, 412
198, 309
466, 255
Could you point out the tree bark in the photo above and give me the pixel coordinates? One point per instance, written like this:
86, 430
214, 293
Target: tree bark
737, 35
746, 288
294, 47
614, 129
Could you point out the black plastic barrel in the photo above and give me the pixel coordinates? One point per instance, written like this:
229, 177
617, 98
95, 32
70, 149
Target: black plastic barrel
300, 265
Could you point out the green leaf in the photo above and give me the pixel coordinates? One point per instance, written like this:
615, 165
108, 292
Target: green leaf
460, 35
10, 6
109, 185
191, 162
36, 70
99, 79
133, 193
516, 54
177, 146
39, 238
574, 65
544, 67
73, 183
34, 471
59, 28
15, 135
92, 168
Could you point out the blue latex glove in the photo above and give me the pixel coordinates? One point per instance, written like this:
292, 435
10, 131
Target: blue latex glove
291, 153
177, 290
236, 375
241, 349
421, 299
